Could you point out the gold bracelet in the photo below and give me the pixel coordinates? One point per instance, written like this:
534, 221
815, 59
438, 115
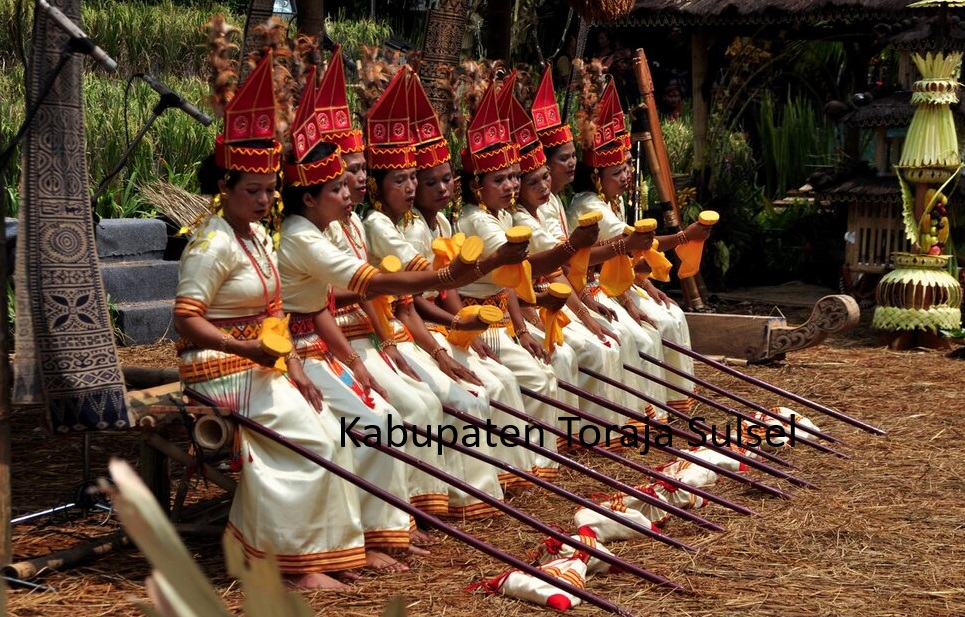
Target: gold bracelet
389, 342
445, 277
681, 238
351, 359
521, 332
479, 271
435, 351
454, 323
620, 246
223, 344
569, 248
582, 312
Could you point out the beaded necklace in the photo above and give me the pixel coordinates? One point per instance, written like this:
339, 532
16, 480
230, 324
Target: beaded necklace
264, 275
362, 254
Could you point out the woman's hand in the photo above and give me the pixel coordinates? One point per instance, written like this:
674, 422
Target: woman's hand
640, 241
597, 328
530, 344
306, 386
483, 350
507, 253
659, 296
698, 231
452, 369
600, 309
639, 316
364, 378
549, 301
401, 365
464, 324
252, 350
584, 237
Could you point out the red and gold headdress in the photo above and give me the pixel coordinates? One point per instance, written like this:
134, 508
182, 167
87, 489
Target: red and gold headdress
546, 114
331, 108
431, 147
307, 134
609, 145
521, 128
390, 140
250, 116
489, 146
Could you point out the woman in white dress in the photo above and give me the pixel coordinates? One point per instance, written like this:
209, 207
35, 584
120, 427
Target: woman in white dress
228, 287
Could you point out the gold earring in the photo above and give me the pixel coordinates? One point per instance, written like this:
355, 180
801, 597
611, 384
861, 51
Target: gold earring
599, 186
480, 202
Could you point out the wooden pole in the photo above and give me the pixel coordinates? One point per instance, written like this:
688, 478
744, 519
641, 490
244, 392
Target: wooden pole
445, 28
700, 105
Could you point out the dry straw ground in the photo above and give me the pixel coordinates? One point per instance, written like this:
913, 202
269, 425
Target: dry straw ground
881, 535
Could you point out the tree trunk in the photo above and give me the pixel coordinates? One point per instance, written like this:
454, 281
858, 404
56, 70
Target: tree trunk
311, 17
499, 29
445, 28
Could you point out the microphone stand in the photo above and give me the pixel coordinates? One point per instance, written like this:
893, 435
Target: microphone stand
167, 102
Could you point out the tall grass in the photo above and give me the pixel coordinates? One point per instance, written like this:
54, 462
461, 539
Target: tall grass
165, 37
170, 151
795, 139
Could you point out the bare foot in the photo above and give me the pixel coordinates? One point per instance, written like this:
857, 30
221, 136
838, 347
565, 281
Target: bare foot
421, 538
382, 562
417, 551
315, 580
347, 576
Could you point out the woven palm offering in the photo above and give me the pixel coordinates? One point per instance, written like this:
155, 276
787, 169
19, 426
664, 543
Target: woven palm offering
920, 294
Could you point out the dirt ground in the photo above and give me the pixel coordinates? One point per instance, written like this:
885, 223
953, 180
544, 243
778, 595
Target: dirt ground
882, 534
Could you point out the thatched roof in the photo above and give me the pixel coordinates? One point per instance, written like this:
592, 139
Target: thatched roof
892, 110
747, 12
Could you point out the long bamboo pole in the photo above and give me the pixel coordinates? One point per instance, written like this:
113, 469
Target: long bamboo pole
592, 473
716, 405
737, 456
734, 396
837, 415
681, 454
647, 471
540, 482
437, 522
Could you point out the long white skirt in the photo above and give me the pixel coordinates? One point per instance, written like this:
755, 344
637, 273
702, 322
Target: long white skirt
417, 404
474, 401
635, 337
309, 518
384, 526
672, 325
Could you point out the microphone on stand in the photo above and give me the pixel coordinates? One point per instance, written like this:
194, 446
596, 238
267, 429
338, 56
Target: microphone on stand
82, 42
169, 98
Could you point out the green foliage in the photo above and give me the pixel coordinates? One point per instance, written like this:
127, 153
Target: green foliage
155, 36
795, 139
354, 33
170, 151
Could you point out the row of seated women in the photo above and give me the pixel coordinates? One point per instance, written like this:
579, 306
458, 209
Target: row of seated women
373, 347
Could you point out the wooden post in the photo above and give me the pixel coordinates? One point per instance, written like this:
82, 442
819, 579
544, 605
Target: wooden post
699, 43
881, 151
445, 28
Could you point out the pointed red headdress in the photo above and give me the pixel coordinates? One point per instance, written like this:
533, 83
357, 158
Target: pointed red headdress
546, 114
250, 116
521, 129
431, 148
331, 108
390, 140
306, 134
609, 143
489, 146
